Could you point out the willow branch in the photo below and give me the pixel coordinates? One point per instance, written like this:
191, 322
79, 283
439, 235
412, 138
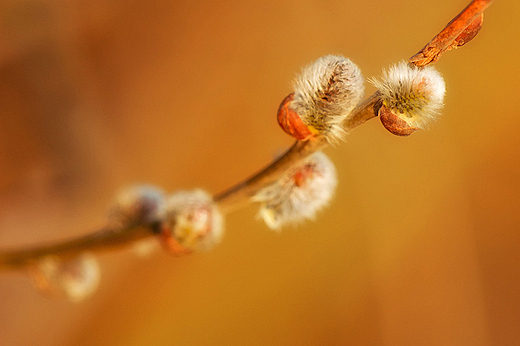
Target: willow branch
104, 239
459, 31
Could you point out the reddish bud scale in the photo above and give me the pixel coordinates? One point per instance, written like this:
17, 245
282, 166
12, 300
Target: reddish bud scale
469, 33
170, 244
291, 122
394, 124
302, 175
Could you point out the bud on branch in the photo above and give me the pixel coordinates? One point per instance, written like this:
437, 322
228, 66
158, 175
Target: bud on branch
325, 93
300, 193
412, 97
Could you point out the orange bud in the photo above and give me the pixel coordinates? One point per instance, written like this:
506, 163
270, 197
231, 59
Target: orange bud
291, 122
170, 244
394, 123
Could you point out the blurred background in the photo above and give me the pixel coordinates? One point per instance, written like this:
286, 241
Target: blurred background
420, 246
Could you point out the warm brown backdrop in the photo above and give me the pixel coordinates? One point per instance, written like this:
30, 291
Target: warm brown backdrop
420, 247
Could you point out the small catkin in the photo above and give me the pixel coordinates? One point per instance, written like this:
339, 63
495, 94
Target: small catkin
325, 93
138, 204
299, 194
412, 93
75, 279
193, 220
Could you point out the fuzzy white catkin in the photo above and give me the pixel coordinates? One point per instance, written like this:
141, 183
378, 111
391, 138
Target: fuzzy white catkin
299, 194
194, 219
326, 92
414, 94
76, 278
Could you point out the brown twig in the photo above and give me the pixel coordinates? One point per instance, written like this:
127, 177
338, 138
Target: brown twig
106, 238
459, 31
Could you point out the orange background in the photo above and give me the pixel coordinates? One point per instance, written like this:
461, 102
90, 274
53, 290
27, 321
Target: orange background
421, 245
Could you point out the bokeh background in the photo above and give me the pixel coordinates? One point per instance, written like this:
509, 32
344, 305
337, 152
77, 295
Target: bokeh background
421, 245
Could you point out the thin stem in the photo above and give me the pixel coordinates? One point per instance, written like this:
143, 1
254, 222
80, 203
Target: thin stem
104, 239
240, 194
365, 111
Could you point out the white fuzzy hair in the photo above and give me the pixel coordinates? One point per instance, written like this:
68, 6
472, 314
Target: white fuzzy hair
414, 94
286, 201
326, 92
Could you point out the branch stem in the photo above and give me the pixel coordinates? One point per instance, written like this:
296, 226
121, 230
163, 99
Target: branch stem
240, 195
105, 239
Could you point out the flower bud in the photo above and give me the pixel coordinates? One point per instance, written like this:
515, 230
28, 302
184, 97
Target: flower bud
412, 97
291, 122
192, 222
325, 93
138, 205
299, 193
74, 279
393, 123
